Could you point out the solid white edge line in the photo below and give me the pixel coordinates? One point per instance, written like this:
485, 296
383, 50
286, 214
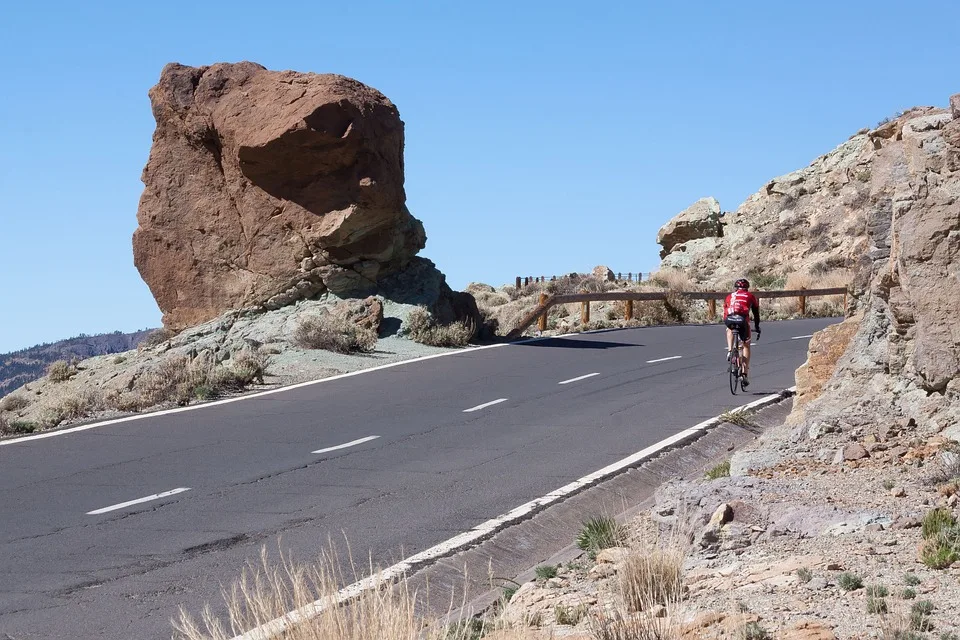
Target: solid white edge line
347, 444
259, 394
270, 629
129, 503
485, 405
578, 379
663, 359
801, 337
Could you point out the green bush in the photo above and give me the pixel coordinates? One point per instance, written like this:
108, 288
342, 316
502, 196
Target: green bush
849, 581
804, 574
908, 594
935, 521
570, 615
600, 532
911, 579
754, 631
877, 605
877, 591
722, 470
546, 571
920, 615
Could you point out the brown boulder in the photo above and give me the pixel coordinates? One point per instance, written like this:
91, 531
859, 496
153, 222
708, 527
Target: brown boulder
824, 352
366, 313
265, 187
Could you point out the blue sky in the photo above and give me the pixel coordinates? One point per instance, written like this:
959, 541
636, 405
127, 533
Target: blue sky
541, 137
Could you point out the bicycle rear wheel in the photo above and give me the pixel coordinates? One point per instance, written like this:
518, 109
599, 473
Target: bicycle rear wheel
734, 376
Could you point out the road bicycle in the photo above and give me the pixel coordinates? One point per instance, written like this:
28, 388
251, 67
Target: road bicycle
736, 364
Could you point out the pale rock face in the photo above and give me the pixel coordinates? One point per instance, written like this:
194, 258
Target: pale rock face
699, 220
903, 360
264, 188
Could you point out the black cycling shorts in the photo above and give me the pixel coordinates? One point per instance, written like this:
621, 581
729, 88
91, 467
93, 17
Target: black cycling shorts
740, 325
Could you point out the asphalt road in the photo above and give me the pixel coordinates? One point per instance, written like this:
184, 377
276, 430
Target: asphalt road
433, 471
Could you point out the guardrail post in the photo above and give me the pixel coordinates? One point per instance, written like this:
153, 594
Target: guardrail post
628, 310
845, 304
711, 310
584, 313
803, 303
542, 320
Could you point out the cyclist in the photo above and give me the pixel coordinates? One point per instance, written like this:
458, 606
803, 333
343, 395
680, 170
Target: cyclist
736, 315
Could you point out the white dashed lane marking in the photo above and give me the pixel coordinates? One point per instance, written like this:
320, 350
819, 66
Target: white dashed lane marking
578, 379
347, 444
485, 405
130, 503
663, 359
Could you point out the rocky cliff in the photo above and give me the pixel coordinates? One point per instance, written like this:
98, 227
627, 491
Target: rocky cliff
825, 217
264, 188
903, 359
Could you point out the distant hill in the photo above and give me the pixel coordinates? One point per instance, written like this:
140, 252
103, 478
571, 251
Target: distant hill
20, 367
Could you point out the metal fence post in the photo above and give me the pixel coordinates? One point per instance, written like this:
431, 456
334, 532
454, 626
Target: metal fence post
519, 282
542, 321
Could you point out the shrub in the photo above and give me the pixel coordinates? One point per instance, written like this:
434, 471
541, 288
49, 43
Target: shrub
849, 581
936, 521
119, 360
570, 615
61, 371
333, 333
942, 549
600, 532
722, 470
804, 574
155, 338
13, 403
877, 605
877, 591
251, 365
754, 631
911, 579
422, 327
546, 571
181, 380
889, 484
908, 594
78, 406
22, 426
920, 615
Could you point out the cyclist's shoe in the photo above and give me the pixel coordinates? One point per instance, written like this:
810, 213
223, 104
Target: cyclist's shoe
744, 382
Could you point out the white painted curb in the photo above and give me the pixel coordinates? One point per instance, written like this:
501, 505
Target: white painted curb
486, 529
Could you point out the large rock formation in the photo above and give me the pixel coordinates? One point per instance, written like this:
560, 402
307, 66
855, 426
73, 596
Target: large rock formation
264, 187
698, 221
903, 363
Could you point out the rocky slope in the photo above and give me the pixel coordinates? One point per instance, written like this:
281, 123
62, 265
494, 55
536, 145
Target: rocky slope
264, 188
20, 367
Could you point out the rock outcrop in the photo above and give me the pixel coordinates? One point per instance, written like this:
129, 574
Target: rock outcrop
264, 188
903, 363
698, 221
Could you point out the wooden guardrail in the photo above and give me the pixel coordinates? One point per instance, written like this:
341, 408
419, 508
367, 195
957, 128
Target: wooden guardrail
539, 313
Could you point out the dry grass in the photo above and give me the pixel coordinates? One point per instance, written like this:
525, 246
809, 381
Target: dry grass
422, 327
79, 406
61, 371
822, 306
333, 333
13, 403
155, 338
181, 380
650, 593
266, 592
674, 279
